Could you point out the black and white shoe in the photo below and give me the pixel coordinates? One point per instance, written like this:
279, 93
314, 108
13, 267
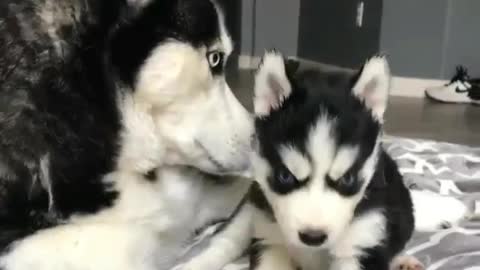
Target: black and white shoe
460, 89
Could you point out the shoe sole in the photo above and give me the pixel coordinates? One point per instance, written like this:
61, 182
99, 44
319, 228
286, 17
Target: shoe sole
473, 102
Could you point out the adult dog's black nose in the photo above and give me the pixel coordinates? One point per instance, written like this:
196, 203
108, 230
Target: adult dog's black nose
312, 237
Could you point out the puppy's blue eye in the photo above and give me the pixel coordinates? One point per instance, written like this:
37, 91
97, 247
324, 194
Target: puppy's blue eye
283, 181
347, 180
284, 177
347, 185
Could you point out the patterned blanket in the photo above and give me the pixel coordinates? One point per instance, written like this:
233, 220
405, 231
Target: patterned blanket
448, 169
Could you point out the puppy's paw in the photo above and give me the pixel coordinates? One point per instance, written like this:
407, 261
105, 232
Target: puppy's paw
406, 263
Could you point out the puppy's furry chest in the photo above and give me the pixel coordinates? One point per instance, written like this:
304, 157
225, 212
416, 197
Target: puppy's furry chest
311, 260
365, 232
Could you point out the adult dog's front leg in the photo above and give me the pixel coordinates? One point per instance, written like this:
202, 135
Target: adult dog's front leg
227, 245
86, 246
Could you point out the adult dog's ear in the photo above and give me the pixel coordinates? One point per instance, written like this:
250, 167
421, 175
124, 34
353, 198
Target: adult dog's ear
373, 86
272, 86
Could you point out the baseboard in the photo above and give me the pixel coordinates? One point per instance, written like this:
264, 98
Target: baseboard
412, 87
401, 86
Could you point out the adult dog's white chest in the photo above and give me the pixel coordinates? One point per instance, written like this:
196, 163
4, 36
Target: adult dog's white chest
148, 227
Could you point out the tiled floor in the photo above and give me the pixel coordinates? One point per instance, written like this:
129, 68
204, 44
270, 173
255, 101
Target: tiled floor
408, 117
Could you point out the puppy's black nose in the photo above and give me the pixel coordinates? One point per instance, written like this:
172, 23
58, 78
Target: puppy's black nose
312, 237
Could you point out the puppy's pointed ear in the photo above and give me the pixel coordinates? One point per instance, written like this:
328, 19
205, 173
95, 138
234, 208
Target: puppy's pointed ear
272, 86
373, 85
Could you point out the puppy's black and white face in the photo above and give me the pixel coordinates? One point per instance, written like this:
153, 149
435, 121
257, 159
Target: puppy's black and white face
317, 145
173, 54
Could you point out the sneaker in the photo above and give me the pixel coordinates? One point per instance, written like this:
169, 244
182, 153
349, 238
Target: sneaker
460, 89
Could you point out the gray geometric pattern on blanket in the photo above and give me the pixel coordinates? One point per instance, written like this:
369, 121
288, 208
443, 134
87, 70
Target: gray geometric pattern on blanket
448, 169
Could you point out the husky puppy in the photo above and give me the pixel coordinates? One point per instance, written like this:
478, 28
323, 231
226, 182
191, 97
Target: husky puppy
119, 136
328, 196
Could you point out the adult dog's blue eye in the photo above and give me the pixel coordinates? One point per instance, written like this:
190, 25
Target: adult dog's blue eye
215, 59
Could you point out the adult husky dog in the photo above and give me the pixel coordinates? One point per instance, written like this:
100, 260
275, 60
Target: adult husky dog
118, 134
